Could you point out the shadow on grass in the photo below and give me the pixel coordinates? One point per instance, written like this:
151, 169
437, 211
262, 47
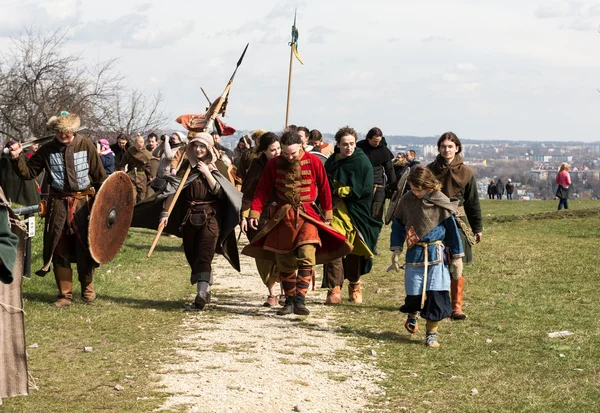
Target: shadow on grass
166, 248
162, 305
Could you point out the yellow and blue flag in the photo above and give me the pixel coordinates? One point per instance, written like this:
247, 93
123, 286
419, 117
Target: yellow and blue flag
294, 42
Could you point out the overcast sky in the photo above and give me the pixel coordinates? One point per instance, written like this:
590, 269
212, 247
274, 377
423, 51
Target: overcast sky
510, 69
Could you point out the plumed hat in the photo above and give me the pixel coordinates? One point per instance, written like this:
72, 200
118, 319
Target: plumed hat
64, 122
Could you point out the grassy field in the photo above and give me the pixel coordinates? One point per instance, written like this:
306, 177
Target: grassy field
532, 275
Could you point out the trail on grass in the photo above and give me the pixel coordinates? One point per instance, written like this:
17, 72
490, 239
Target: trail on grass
237, 356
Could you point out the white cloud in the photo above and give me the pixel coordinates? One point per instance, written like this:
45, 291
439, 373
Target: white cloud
61, 9
450, 77
16, 16
132, 31
318, 34
466, 67
435, 39
468, 87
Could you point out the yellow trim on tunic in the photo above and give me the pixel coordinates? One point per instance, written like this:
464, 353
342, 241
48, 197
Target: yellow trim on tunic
343, 223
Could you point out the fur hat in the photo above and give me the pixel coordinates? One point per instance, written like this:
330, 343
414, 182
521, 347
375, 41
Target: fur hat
64, 122
258, 133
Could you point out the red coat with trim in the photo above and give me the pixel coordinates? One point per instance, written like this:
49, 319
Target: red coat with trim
297, 186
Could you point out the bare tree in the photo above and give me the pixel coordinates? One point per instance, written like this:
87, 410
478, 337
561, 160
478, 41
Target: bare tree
38, 79
132, 111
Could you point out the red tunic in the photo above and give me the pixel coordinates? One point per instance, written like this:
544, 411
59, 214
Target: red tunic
294, 220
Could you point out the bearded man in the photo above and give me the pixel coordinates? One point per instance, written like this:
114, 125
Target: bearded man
74, 172
296, 236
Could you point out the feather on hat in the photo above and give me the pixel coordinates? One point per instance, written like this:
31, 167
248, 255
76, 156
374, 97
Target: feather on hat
64, 122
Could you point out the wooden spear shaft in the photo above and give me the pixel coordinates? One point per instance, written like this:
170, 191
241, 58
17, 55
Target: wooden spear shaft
207, 128
287, 110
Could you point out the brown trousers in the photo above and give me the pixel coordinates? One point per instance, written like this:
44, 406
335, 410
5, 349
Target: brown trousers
342, 268
199, 244
68, 250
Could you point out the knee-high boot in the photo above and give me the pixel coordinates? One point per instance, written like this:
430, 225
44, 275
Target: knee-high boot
64, 282
456, 290
87, 288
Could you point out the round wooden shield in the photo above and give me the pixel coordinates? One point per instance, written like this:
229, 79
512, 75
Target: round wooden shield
395, 201
110, 218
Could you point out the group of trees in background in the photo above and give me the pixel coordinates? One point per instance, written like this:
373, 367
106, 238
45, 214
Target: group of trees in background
38, 79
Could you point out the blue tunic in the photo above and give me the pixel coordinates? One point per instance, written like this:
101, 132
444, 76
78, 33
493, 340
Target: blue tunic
438, 276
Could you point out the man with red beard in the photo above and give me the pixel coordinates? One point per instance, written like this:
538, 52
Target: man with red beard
295, 236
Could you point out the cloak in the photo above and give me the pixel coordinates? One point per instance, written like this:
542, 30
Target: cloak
17, 190
147, 212
356, 172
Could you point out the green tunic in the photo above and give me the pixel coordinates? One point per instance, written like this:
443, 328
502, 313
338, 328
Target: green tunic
352, 180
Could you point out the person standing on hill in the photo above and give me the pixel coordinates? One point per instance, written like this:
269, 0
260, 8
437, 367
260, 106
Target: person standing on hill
499, 189
296, 236
458, 181
350, 178
268, 148
119, 148
411, 158
75, 173
319, 145
563, 180
107, 156
492, 190
425, 220
510, 189
381, 158
137, 161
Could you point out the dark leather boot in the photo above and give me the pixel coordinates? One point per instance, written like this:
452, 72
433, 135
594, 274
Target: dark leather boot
288, 307
299, 306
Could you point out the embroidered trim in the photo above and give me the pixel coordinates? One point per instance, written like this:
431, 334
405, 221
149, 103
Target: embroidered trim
306, 172
305, 162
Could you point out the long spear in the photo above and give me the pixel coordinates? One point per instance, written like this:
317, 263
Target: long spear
293, 52
216, 110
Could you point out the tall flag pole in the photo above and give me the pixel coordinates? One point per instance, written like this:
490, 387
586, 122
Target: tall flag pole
293, 52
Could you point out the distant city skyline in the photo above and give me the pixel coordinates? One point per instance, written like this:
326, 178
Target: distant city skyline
508, 70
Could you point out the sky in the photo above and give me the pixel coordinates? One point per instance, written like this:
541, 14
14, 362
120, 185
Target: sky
511, 69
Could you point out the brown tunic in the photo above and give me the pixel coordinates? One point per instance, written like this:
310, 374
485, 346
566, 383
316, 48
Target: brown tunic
72, 171
138, 169
200, 227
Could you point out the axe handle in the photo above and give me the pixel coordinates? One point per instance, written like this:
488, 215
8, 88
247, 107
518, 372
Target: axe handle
177, 193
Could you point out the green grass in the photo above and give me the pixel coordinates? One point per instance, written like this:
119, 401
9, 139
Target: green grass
492, 208
530, 277
131, 328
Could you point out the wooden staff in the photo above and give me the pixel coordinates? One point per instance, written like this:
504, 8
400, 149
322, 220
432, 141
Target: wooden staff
292, 44
216, 110
287, 108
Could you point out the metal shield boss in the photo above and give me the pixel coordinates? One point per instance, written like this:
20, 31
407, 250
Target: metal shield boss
395, 201
110, 218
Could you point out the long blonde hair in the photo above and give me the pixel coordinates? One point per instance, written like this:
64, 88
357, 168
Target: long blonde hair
422, 178
564, 167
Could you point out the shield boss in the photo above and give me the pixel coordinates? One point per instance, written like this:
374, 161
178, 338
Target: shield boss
110, 218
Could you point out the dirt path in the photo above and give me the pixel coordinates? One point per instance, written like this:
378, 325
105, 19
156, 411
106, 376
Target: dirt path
237, 356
